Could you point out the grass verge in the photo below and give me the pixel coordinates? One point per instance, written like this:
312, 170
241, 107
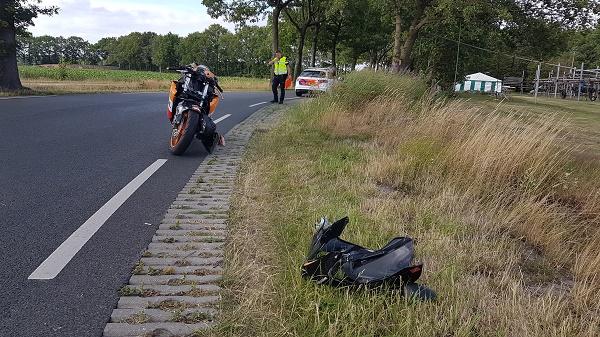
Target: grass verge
504, 215
63, 80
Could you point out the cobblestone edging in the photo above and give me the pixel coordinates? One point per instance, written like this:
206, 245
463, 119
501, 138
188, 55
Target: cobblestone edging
174, 289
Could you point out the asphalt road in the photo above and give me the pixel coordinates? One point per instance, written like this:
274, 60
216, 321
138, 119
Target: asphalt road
61, 159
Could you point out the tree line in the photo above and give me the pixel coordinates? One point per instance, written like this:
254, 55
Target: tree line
497, 36
500, 37
242, 53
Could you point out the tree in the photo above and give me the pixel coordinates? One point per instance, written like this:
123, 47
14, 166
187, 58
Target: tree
242, 11
305, 14
74, 49
165, 51
15, 17
215, 48
254, 49
192, 47
416, 13
105, 50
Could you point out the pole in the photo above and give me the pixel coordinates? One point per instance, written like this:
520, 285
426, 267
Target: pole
556, 84
572, 64
457, 54
537, 81
580, 82
522, 81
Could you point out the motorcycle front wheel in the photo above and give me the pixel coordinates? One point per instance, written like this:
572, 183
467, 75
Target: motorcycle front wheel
183, 134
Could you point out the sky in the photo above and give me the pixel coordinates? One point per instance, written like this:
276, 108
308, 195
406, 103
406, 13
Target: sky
95, 19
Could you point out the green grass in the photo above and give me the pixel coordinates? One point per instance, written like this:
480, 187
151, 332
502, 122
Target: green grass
80, 74
582, 117
58, 80
380, 151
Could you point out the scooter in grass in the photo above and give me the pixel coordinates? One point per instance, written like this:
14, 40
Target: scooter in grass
331, 260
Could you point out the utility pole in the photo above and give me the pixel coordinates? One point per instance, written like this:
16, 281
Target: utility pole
537, 81
457, 54
557, 77
572, 64
580, 82
522, 82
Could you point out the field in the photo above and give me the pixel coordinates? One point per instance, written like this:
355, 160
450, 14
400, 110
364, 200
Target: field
66, 80
582, 117
503, 202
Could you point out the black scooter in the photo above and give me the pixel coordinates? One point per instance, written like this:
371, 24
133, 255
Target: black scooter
339, 263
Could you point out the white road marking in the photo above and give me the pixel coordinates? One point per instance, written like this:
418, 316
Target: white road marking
257, 104
55, 263
222, 118
22, 97
141, 92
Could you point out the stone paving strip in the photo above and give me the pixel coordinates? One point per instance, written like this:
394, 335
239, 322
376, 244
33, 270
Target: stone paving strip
174, 289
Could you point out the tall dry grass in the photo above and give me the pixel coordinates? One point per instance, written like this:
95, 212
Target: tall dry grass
513, 167
507, 228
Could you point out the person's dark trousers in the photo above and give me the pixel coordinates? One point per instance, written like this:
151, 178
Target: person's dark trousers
279, 81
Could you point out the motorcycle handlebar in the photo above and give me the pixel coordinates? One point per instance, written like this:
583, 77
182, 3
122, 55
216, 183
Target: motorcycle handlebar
178, 68
188, 68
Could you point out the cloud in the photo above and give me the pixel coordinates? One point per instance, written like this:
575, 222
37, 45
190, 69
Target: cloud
95, 19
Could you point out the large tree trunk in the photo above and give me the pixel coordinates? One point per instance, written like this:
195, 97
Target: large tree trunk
275, 28
299, 56
354, 62
417, 23
9, 73
334, 55
313, 60
407, 48
396, 61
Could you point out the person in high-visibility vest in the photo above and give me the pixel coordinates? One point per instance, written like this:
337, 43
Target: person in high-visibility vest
281, 71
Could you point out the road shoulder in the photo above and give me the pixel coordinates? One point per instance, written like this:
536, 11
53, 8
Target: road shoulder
175, 286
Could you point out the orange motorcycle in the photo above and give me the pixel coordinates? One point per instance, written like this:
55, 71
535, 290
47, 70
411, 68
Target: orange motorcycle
192, 101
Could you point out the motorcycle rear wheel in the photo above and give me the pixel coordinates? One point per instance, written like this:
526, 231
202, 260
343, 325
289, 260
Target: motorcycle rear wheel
183, 134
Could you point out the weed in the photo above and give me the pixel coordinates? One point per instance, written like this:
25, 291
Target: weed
138, 318
138, 269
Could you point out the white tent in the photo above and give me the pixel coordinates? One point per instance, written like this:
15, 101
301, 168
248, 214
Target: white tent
479, 82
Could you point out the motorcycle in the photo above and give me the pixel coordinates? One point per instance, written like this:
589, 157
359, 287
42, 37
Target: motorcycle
192, 101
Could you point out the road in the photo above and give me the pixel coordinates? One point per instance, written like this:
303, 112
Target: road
63, 158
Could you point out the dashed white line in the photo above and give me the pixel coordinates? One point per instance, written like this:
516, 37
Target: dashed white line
141, 92
222, 118
22, 97
257, 104
55, 263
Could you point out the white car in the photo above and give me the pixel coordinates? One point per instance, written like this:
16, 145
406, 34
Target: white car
314, 79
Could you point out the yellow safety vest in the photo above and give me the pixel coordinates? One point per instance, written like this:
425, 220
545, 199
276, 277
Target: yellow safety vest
281, 66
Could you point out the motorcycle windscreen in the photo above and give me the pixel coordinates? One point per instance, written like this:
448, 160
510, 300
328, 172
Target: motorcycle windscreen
338, 245
326, 232
365, 267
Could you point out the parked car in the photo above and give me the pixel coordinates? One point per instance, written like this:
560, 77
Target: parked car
314, 80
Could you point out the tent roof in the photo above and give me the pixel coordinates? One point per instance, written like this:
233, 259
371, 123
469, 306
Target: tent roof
481, 77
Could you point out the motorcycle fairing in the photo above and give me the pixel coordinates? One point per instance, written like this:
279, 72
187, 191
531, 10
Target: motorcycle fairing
339, 262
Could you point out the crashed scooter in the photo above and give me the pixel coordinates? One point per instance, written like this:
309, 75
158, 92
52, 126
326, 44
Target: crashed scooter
339, 263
